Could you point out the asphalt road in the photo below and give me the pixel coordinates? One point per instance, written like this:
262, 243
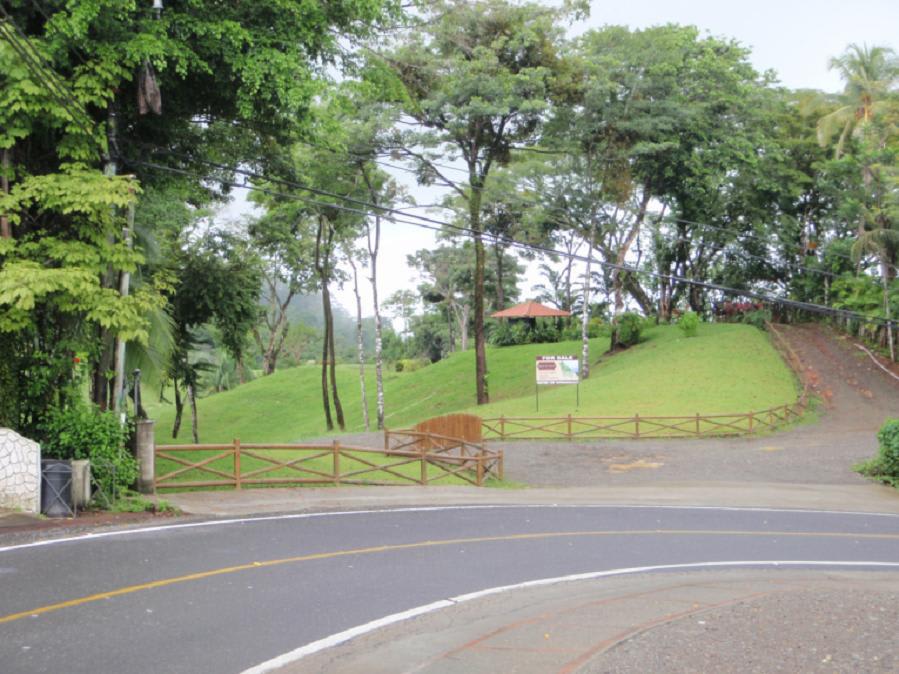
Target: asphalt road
223, 597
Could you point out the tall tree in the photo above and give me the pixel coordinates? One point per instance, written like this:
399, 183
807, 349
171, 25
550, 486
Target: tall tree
478, 79
76, 82
284, 242
870, 116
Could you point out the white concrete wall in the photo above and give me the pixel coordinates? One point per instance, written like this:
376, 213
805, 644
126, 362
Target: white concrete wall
20, 472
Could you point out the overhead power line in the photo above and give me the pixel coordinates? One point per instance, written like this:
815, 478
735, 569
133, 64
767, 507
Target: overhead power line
436, 225
296, 185
44, 73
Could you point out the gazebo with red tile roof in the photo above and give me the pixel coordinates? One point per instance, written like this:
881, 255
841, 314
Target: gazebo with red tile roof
530, 309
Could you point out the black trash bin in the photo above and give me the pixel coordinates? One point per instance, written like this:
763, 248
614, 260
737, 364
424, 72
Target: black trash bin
56, 488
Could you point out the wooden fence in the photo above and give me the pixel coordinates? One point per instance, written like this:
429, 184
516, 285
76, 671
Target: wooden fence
636, 427
408, 458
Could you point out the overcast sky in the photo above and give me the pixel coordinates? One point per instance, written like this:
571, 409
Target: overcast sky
795, 38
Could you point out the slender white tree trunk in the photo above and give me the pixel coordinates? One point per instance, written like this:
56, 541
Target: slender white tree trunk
194, 422
585, 312
463, 325
360, 348
374, 241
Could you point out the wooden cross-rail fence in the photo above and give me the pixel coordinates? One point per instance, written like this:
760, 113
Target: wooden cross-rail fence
408, 458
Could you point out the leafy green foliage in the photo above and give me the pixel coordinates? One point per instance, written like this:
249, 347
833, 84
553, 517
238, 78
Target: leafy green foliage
84, 432
689, 324
888, 435
885, 466
629, 329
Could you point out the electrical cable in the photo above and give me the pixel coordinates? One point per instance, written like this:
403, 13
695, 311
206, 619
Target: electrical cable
296, 185
45, 74
390, 215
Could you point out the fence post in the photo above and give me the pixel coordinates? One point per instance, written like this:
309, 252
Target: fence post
481, 470
751, 415
335, 465
145, 449
569, 427
237, 484
502, 426
424, 469
386, 439
697, 425
637, 425
500, 469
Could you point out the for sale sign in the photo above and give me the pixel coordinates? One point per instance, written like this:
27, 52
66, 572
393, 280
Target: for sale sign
558, 370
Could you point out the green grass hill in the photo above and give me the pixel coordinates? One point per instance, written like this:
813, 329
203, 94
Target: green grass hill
726, 368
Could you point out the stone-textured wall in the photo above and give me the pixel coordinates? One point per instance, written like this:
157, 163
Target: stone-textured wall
20, 472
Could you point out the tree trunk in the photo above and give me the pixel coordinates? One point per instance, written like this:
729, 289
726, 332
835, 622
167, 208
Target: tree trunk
179, 410
332, 364
585, 312
664, 302
374, 244
635, 290
118, 388
885, 277
102, 389
379, 344
329, 423
464, 314
360, 349
5, 228
480, 343
326, 310
500, 291
192, 398
450, 322
275, 344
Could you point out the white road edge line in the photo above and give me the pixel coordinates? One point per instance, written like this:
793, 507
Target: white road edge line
366, 628
378, 511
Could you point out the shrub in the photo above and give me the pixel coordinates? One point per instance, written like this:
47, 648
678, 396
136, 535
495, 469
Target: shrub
759, 318
544, 332
411, 364
889, 448
84, 432
689, 324
595, 328
630, 326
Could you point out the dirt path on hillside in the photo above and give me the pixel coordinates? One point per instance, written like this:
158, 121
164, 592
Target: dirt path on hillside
857, 397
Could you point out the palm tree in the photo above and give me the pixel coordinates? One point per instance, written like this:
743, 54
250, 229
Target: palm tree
871, 75
869, 114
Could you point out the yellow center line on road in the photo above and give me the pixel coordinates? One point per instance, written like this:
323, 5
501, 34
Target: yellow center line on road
131, 589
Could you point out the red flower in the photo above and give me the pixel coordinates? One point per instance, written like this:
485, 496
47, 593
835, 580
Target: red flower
76, 360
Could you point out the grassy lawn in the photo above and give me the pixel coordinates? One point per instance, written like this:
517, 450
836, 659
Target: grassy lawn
287, 406
725, 369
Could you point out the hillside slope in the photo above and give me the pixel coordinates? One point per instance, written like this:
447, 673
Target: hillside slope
727, 368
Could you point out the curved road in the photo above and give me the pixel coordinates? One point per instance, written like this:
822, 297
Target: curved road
226, 596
